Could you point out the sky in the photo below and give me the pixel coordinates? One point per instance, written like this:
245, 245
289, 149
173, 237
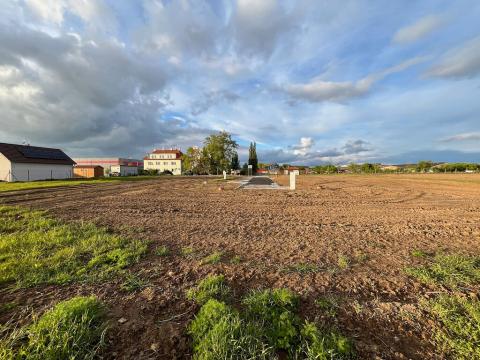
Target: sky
311, 81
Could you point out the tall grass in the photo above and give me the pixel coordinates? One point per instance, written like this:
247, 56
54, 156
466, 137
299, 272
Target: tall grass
36, 249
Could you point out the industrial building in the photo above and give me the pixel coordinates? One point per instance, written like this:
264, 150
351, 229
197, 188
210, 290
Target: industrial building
113, 165
88, 171
29, 163
164, 160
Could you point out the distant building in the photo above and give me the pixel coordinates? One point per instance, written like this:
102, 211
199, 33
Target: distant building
164, 160
123, 170
28, 163
107, 163
88, 171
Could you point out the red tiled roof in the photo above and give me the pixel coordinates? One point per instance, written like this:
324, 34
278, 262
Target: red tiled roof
88, 166
158, 151
34, 154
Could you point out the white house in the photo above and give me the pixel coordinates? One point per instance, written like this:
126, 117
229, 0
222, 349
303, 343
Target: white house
28, 163
164, 160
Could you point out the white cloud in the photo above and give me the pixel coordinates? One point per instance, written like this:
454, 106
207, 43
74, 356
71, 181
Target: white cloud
419, 29
304, 147
320, 90
461, 62
470, 136
48, 10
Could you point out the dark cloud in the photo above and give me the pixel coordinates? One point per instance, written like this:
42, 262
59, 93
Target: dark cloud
356, 147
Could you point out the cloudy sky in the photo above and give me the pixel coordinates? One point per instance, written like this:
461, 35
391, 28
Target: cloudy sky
311, 81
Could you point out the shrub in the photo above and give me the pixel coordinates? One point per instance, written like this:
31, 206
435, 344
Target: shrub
450, 270
458, 333
212, 287
73, 329
343, 262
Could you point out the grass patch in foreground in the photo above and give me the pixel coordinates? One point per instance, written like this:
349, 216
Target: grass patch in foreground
449, 270
266, 324
213, 258
14, 186
36, 249
73, 329
458, 330
212, 287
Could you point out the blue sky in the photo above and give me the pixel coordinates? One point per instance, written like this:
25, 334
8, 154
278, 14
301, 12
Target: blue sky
310, 81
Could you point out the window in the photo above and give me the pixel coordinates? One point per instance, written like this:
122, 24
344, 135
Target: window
150, 163
158, 163
173, 163
165, 163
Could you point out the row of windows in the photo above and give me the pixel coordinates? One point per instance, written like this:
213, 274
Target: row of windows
160, 163
163, 156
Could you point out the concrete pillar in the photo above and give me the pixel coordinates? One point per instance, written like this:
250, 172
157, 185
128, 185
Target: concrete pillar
224, 175
292, 180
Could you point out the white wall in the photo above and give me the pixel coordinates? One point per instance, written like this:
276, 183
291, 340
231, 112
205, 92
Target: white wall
30, 172
5, 168
175, 166
124, 170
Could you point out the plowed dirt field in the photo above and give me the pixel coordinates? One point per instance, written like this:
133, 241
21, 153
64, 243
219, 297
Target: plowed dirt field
343, 236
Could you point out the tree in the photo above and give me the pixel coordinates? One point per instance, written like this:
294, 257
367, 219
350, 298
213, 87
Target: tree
218, 151
235, 164
252, 157
194, 161
424, 166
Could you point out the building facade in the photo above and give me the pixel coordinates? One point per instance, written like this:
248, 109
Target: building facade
107, 163
164, 160
30, 163
88, 171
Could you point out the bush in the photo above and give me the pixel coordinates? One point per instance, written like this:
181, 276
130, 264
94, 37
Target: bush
73, 329
214, 258
212, 287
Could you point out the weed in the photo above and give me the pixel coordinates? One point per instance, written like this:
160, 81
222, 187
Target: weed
37, 249
458, 333
133, 283
236, 260
357, 307
8, 306
188, 251
418, 253
303, 268
162, 250
218, 332
274, 310
343, 262
212, 287
328, 304
73, 329
324, 345
361, 257
449, 270
214, 258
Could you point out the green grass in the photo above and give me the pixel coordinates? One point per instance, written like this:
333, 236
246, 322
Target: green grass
236, 260
302, 268
343, 262
212, 287
36, 249
449, 270
418, 253
264, 324
214, 258
162, 251
188, 251
458, 326
72, 182
328, 305
133, 283
73, 329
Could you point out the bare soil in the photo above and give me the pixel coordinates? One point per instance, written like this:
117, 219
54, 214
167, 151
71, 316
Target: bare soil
373, 222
